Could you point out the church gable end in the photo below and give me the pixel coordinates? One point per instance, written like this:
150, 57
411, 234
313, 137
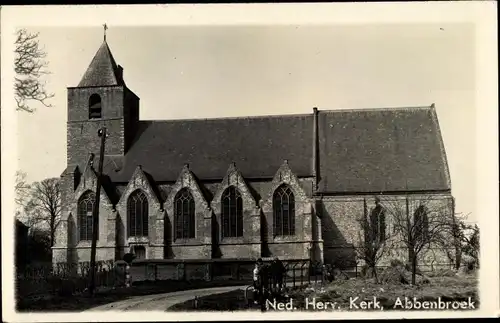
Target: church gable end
302, 204
237, 216
139, 210
299, 215
86, 190
187, 231
89, 182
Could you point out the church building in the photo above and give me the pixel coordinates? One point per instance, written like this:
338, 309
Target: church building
292, 186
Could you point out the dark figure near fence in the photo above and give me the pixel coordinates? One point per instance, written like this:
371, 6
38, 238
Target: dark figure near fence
328, 273
257, 280
278, 271
265, 283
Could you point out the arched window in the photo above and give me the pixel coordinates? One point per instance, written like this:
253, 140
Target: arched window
85, 208
377, 223
184, 215
95, 106
421, 224
232, 213
137, 211
284, 211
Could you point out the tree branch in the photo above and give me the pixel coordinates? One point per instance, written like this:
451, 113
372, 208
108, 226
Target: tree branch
29, 67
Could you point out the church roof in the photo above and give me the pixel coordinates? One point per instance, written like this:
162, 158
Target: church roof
103, 70
258, 146
376, 150
381, 150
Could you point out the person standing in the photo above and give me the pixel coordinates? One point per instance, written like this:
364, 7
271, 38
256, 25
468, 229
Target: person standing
278, 270
257, 280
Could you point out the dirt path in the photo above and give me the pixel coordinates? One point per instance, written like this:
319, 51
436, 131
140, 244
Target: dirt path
160, 302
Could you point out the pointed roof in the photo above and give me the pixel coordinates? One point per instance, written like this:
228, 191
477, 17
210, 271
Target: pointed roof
103, 70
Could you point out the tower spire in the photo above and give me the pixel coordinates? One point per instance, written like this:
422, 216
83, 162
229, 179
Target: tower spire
105, 28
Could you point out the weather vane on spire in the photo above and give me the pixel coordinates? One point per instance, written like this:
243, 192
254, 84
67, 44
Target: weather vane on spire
105, 28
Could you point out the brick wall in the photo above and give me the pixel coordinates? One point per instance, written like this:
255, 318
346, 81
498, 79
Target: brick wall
119, 114
82, 136
131, 116
342, 232
189, 251
112, 102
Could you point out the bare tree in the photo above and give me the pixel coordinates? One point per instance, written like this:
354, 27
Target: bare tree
417, 226
21, 189
454, 247
375, 239
29, 67
45, 204
470, 242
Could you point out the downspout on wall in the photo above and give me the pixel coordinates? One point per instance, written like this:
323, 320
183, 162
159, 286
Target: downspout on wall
317, 246
315, 156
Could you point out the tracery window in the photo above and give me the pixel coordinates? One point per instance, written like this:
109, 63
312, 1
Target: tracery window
85, 209
184, 215
421, 224
232, 213
137, 214
283, 211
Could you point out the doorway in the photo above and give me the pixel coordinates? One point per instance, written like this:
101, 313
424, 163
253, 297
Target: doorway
140, 252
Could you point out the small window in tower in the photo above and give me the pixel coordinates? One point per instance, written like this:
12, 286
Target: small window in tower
95, 106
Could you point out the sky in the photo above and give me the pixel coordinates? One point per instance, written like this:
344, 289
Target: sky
225, 71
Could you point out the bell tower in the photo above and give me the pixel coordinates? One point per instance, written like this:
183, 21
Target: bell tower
101, 99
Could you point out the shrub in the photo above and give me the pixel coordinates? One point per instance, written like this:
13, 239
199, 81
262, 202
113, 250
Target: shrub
368, 272
394, 275
442, 273
397, 263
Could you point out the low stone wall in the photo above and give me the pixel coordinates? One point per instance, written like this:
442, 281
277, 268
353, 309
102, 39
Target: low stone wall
208, 270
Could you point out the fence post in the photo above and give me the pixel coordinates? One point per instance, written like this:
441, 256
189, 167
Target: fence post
309, 272
208, 270
285, 278
302, 274
127, 275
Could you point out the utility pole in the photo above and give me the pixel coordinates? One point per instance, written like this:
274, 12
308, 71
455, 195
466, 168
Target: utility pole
95, 212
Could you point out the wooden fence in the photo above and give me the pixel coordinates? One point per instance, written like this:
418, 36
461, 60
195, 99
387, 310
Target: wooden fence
68, 279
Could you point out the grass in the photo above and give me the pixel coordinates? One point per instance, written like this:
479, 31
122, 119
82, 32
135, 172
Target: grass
458, 288
83, 301
230, 301
447, 288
